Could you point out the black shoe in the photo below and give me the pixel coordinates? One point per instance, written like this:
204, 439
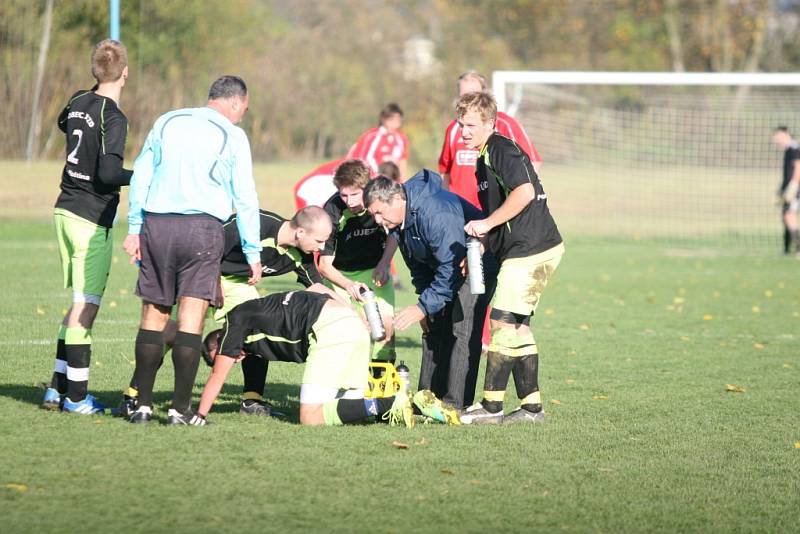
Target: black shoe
174, 417
255, 407
140, 417
128, 406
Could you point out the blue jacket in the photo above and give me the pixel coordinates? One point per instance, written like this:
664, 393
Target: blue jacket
432, 239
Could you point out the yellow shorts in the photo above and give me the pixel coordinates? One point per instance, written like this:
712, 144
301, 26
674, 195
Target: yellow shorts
338, 353
521, 281
235, 290
85, 250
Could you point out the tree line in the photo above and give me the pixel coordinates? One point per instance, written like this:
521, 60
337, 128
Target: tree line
319, 71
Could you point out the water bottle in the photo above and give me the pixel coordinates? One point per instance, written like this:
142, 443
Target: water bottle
404, 376
475, 266
376, 330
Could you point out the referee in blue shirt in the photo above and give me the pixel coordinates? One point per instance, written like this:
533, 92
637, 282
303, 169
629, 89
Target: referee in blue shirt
195, 168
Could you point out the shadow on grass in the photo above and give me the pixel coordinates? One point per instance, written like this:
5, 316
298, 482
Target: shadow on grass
284, 397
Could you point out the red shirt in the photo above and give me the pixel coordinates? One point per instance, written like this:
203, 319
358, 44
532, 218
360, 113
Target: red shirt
316, 187
377, 145
459, 161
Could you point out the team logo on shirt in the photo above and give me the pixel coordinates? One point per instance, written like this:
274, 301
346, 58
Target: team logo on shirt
466, 158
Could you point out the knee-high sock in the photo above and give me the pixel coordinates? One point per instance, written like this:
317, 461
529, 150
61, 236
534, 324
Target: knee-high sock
526, 378
787, 240
78, 350
498, 370
254, 370
185, 359
133, 385
344, 411
59, 380
149, 352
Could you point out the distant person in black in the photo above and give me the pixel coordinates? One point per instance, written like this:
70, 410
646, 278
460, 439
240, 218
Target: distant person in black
789, 191
358, 254
286, 246
95, 131
303, 327
519, 230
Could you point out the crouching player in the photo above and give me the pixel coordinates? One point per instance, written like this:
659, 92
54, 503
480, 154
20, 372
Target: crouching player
310, 327
358, 254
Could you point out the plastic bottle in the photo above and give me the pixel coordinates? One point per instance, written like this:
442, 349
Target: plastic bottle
475, 266
404, 376
376, 329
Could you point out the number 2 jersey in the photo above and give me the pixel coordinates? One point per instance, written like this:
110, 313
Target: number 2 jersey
95, 129
280, 323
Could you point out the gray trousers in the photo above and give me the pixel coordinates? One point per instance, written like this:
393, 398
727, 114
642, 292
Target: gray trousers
451, 349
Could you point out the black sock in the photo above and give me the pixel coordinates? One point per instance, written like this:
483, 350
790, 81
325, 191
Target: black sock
526, 378
498, 370
149, 352
787, 241
59, 380
354, 410
254, 370
185, 360
133, 385
78, 358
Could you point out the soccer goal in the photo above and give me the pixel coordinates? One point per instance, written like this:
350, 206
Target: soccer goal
685, 157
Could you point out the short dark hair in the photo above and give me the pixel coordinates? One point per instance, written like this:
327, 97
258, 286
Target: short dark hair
390, 170
350, 173
784, 129
309, 217
226, 87
382, 189
389, 110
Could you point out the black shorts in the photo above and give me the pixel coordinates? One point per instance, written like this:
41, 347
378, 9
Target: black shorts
181, 257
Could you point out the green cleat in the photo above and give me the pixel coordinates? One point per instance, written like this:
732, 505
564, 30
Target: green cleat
429, 405
401, 412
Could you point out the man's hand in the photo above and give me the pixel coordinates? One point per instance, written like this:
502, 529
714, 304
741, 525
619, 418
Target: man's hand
131, 246
381, 274
478, 227
255, 274
408, 316
355, 289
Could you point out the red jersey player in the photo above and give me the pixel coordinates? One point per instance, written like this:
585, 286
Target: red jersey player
457, 162
383, 143
316, 187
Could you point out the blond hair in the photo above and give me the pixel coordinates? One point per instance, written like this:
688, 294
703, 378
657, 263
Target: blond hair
480, 101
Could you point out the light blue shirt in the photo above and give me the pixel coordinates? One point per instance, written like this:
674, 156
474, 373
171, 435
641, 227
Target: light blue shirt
194, 161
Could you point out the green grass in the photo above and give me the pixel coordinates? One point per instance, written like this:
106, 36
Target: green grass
638, 343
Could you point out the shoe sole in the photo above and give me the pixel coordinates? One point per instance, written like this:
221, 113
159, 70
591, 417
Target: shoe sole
511, 420
482, 421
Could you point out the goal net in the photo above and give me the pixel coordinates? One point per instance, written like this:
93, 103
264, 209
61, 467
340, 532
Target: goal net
676, 156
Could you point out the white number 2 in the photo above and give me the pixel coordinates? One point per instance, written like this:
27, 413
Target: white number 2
71, 157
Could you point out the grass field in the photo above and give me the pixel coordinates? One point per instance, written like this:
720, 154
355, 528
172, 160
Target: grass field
640, 343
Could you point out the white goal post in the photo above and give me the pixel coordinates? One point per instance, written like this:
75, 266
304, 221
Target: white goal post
675, 155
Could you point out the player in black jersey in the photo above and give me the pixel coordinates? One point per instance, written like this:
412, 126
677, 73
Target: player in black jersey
287, 246
358, 254
301, 327
95, 130
520, 232
330, 338
789, 190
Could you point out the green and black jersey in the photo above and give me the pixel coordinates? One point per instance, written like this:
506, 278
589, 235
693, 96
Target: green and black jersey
357, 241
95, 130
791, 157
502, 167
275, 260
282, 323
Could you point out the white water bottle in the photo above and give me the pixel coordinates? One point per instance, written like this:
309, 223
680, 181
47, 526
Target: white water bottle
475, 266
376, 330
404, 377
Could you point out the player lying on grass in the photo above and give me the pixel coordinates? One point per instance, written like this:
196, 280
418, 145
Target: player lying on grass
331, 339
287, 246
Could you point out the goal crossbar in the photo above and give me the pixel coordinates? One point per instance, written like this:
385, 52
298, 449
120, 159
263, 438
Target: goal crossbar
503, 78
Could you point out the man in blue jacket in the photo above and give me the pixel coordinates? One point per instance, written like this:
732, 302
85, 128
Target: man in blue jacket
428, 222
